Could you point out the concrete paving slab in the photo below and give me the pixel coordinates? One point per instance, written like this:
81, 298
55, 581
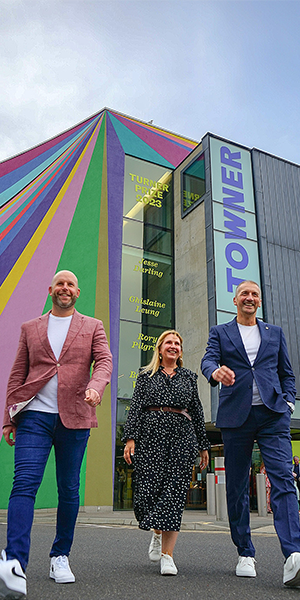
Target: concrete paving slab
192, 519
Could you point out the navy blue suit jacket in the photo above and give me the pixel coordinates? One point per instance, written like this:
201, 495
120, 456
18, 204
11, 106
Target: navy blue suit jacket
271, 370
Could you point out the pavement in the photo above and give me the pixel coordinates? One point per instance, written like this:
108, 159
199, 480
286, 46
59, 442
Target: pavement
110, 560
192, 519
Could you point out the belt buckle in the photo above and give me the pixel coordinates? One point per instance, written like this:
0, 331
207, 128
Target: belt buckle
161, 409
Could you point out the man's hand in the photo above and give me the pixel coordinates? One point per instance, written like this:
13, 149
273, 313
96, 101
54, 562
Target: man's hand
224, 375
9, 433
92, 397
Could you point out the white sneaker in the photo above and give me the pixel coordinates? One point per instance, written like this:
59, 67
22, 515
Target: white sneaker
246, 567
291, 570
12, 579
154, 551
167, 565
60, 570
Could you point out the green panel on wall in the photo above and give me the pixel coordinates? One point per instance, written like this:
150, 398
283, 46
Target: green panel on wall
7, 467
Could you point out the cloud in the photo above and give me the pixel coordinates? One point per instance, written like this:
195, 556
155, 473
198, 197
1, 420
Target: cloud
223, 66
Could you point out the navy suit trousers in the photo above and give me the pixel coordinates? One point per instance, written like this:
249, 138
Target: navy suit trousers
271, 430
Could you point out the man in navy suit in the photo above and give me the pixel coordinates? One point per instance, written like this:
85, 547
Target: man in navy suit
257, 397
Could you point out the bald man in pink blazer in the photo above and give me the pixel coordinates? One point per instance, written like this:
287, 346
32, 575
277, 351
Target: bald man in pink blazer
52, 397
36, 364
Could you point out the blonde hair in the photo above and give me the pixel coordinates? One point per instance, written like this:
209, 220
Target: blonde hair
154, 364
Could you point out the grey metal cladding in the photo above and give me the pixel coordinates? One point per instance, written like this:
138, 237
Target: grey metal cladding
277, 196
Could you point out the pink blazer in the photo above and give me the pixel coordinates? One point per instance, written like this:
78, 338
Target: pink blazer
35, 364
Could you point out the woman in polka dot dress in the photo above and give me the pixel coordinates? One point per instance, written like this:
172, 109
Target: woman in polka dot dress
164, 431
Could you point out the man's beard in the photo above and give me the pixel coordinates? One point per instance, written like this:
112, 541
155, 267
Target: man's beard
56, 300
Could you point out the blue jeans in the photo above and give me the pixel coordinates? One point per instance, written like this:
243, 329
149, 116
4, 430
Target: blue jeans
271, 430
36, 433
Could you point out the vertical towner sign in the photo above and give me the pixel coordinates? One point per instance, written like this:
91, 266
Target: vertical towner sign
234, 222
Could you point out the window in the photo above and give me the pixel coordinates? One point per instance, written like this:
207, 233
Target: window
193, 185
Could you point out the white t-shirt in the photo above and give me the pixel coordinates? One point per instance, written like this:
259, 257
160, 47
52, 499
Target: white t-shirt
46, 399
251, 339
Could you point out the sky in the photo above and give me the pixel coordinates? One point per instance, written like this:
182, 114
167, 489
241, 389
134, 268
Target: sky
229, 67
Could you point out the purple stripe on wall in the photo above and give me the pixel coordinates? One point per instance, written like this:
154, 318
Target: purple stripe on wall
115, 186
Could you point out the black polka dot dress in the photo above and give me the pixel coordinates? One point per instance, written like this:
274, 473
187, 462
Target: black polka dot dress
166, 446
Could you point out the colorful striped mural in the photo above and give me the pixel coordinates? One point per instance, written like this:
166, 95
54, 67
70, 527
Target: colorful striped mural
61, 207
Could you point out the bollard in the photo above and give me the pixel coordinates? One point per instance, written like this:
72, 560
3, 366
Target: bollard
210, 494
261, 495
221, 504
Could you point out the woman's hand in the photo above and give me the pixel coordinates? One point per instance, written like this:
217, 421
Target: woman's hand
129, 451
204, 456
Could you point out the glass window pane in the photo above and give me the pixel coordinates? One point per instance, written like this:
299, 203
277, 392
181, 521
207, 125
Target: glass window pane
137, 343
149, 237
123, 407
193, 183
124, 478
146, 287
147, 192
164, 216
129, 357
197, 168
193, 190
157, 240
133, 233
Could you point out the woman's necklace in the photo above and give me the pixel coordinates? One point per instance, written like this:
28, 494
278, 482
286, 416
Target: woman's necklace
168, 370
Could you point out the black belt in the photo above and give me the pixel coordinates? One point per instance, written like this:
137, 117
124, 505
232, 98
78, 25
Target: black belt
179, 411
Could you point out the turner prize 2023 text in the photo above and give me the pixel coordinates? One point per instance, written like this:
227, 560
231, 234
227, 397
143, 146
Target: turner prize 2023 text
149, 191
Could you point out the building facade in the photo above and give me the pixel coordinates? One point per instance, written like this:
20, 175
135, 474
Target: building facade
159, 230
